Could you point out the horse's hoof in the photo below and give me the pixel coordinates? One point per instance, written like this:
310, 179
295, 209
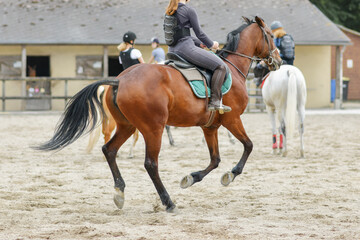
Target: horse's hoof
274, 151
284, 153
302, 155
119, 198
172, 209
227, 178
187, 181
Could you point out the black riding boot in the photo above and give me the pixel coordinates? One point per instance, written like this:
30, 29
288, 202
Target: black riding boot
217, 81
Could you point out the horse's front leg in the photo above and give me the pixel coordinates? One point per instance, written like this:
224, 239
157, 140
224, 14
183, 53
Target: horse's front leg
237, 129
211, 137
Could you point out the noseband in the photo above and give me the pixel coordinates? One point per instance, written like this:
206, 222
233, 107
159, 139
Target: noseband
268, 59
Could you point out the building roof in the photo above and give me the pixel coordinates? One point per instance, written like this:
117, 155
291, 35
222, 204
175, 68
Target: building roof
105, 21
348, 30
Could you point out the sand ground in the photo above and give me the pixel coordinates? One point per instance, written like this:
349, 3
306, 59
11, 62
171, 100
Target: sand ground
68, 194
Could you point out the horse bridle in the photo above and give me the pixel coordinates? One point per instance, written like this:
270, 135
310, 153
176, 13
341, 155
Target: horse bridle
269, 59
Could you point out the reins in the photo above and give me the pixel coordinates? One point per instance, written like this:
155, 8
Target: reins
269, 59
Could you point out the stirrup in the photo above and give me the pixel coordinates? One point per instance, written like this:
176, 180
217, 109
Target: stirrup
221, 108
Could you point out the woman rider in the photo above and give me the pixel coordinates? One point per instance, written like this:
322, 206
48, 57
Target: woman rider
189, 48
128, 55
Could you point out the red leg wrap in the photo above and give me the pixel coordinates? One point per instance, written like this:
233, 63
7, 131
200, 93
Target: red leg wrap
281, 141
274, 142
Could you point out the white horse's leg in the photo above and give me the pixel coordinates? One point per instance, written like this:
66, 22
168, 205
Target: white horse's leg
301, 111
271, 113
282, 130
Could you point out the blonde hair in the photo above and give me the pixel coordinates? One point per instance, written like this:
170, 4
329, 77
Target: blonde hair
279, 32
172, 7
121, 47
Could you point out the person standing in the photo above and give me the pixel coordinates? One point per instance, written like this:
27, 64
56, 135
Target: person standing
284, 42
188, 47
128, 55
158, 54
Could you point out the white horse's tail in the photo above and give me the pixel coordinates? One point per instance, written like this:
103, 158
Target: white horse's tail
95, 135
290, 115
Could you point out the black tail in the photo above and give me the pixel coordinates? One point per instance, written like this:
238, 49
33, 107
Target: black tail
80, 114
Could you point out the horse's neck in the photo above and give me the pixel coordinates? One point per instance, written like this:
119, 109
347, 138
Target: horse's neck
246, 47
242, 63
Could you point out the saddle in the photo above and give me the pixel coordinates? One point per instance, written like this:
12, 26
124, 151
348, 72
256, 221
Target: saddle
197, 77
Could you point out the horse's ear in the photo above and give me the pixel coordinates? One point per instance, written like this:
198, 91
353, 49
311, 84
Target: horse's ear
246, 20
259, 21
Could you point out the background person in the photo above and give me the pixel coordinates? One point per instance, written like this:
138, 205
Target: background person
284, 42
158, 54
128, 55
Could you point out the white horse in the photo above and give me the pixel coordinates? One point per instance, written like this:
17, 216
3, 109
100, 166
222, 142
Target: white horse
284, 92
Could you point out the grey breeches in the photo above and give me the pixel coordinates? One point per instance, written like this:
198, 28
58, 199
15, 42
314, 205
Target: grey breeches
186, 49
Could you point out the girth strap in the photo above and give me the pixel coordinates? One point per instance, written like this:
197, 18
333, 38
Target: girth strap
211, 119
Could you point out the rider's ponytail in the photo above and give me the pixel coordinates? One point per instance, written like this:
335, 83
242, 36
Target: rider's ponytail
121, 47
172, 7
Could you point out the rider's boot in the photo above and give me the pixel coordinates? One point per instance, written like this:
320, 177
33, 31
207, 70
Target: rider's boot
217, 81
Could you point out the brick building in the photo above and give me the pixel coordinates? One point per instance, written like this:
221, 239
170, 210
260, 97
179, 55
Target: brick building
351, 64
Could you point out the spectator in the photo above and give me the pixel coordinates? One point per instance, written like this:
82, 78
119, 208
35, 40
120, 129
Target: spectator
284, 42
158, 54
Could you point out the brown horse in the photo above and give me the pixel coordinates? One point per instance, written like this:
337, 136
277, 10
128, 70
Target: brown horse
108, 125
151, 96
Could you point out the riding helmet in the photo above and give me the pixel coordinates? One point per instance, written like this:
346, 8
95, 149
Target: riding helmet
276, 25
128, 36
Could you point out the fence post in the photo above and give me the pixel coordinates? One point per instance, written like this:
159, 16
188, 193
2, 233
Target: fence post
3, 95
66, 91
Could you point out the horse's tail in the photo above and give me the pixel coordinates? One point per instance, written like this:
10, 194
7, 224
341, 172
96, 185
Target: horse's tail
95, 134
291, 103
80, 114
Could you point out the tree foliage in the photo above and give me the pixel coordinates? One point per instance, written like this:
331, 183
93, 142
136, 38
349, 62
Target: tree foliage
343, 12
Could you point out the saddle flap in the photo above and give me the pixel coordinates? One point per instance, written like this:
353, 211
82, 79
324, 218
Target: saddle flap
179, 61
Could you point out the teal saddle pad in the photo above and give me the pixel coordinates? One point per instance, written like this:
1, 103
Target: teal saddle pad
196, 79
199, 89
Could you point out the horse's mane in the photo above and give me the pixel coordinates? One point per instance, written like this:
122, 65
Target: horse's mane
232, 40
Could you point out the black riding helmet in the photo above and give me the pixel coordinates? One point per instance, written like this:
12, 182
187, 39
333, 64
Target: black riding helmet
128, 36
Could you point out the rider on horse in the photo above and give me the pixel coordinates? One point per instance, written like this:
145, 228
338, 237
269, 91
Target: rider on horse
188, 47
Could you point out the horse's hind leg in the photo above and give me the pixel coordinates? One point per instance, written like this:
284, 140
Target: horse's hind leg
271, 113
171, 140
123, 132
301, 111
231, 137
152, 139
135, 139
108, 127
282, 130
237, 129
211, 137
